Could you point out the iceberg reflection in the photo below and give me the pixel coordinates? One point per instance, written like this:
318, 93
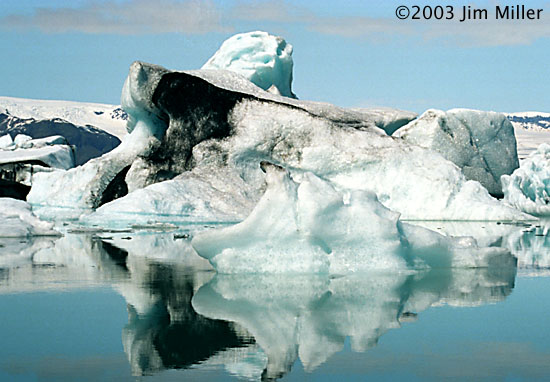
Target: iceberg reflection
310, 317
182, 315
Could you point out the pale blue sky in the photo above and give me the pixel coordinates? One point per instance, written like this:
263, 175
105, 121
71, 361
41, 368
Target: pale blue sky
351, 53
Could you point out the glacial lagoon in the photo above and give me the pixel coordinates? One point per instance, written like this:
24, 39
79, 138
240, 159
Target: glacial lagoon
142, 305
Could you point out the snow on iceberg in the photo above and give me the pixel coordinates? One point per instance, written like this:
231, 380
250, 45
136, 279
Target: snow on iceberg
263, 59
528, 187
17, 220
481, 143
310, 227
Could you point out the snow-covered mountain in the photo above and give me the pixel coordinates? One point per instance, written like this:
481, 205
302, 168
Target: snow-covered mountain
110, 118
530, 120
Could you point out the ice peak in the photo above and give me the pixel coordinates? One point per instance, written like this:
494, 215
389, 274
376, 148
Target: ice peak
264, 59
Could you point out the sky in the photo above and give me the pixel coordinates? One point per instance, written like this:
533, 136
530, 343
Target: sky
352, 53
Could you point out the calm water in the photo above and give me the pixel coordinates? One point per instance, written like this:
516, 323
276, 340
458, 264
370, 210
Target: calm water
143, 306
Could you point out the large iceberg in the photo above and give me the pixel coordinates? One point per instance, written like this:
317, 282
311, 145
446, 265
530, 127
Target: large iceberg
528, 187
197, 138
312, 228
481, 143
264, 59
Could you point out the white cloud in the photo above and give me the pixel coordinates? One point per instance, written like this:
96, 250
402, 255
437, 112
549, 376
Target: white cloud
129, 18
203, 16
488, 32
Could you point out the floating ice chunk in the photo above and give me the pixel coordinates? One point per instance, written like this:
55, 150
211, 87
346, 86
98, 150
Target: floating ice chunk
263, 59
17, 220
269, 240
528, 188
312, 228
481, 143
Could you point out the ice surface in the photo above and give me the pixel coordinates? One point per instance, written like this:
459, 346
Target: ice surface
388, 119
205, 197
17, 220
264, 59
481, 143
528, 188
309, 227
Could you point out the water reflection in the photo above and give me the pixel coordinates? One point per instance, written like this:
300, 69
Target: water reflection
181, 315
310, 318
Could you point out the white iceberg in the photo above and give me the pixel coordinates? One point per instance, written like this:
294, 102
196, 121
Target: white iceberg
481, 143
263, 59
528, 188
17, 220
195, 125
52, 151
312, 228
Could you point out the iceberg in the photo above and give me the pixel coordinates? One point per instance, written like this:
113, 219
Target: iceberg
53, 152
263, 59
17, 220
528, 187
481, 143
196, 139
310, 227
88, 141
